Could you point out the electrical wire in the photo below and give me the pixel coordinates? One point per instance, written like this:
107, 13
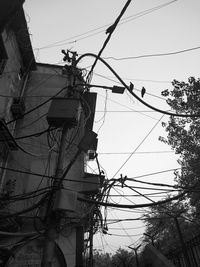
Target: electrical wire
156, 184
131, 79
106, 204
138, 146
139, 90
155, 55
87, 33
136, 153
133, 94
40, 105
46, 176
24, 211
154, 173
125, 235
131, 109
109, 31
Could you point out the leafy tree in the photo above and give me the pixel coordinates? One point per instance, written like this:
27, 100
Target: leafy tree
161, 225
122, 258
183, 135
101, 259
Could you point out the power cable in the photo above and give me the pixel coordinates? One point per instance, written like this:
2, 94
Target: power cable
154, 189
156, 55
165, 208
45, 176
24, 211
155, 184
40, 105
105, 204
154, 173
131, 109
142, 152
133, 94
109, 31
109, 79
124, 235
131, 228
131, 79
138, 146
123, 21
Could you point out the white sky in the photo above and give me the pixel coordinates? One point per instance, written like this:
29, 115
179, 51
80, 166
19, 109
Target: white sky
172, 28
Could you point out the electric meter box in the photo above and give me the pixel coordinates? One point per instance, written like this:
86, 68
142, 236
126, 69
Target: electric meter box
92, 183
65, 200
64, 111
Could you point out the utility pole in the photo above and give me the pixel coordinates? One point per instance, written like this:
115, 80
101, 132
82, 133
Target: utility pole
185, 253
91, 241
51, 233
152, 238
52, 220
136, 255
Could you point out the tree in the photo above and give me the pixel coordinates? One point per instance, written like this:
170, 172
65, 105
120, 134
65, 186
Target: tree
161, 225
183, 135
122, 258
101, 259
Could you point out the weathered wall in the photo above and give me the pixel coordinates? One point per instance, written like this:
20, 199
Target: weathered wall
41, 157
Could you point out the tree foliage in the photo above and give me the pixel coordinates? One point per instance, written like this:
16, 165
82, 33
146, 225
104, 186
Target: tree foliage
122, 258
101, 259
161, 225
183, 134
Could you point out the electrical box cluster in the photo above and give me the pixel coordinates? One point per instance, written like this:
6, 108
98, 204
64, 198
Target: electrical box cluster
65, 200
64, 111
92, 183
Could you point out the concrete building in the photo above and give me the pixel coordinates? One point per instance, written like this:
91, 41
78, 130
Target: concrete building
36, 102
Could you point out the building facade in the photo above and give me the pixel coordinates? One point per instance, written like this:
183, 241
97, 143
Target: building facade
46, 122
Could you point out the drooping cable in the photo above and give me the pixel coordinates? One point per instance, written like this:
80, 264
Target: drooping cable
133, 94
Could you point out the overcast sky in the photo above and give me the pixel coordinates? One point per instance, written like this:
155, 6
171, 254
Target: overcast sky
124, 126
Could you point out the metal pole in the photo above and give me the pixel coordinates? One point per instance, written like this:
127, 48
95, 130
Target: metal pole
136, 258
91, 242
186, 257
136, 255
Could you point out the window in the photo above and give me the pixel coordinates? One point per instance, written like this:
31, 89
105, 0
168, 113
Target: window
3, 55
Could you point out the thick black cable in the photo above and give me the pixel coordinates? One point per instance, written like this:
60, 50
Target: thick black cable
35, 134
133, 94
110, 31
38, 106
23, 211
155, 184
167, 210
133, 206
45, 176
